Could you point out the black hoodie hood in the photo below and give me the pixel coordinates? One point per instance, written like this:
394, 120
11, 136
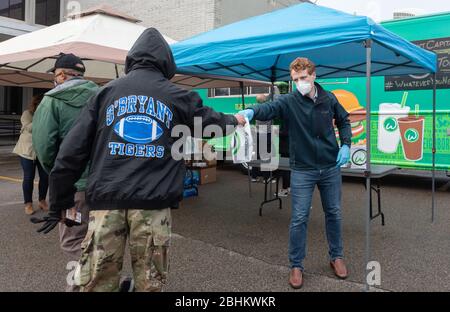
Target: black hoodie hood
151, 50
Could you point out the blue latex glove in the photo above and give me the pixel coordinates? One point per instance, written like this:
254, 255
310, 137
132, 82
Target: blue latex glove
343, 156
248, 113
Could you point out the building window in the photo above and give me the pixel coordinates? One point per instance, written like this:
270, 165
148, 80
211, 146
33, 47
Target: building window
11, 102
259, 90
39, 91
13, 9
47, 12
236, 92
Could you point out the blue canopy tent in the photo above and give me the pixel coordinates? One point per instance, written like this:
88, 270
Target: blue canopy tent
262, 47
340, 44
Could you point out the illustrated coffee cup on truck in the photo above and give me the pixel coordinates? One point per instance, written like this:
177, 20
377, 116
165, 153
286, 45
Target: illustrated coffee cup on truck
388, 127
412, 134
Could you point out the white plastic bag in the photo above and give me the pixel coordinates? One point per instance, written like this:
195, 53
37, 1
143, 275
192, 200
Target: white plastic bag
242, 144
193, 146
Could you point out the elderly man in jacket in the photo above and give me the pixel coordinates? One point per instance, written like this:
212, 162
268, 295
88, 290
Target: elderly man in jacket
52, 121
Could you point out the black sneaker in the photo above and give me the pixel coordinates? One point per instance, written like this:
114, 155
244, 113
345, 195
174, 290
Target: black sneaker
283, 193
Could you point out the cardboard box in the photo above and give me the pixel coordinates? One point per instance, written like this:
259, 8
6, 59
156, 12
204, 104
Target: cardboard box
211, 163
199, 164
209, 156
207, 175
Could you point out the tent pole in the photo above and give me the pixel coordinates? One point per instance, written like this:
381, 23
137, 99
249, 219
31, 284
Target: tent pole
241, 85
272, 90
117, 71
433, 204
272, 80
368, 46
272, 97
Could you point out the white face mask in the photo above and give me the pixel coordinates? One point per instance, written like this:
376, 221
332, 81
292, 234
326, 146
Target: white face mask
304, 87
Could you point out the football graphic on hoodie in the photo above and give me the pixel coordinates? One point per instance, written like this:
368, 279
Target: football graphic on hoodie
138, 129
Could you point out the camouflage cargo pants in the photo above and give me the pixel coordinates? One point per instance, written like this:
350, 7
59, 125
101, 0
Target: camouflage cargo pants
103, 249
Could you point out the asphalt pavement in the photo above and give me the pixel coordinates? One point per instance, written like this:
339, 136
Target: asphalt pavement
220, 243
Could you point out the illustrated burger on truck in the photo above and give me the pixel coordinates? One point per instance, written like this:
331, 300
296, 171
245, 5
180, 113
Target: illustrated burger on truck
357, 115
357, 121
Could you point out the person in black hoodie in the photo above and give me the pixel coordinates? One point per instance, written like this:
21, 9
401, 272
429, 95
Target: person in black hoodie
125, 135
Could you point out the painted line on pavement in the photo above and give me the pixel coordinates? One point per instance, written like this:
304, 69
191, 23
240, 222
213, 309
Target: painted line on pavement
15, 180
10, 204
11, 179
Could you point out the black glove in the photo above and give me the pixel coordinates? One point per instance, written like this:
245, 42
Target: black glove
51, 221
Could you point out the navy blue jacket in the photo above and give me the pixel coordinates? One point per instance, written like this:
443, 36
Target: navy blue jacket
312, 138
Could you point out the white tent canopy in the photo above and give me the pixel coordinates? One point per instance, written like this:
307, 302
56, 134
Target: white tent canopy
100, 36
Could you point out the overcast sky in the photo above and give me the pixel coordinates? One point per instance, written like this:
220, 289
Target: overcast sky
381, 10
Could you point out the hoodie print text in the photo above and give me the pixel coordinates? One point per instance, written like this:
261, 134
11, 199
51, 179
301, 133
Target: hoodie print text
140, 121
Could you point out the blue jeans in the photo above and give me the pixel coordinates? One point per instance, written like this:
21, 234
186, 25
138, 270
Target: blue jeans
329, 182
29, 171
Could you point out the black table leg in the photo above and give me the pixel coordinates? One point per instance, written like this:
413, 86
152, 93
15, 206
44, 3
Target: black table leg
377, 190
249, 181
380, 213
277, 188
266, 200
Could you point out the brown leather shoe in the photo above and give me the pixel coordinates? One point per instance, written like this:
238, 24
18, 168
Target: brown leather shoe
43, 205
296, 278
29, 209
339, 268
